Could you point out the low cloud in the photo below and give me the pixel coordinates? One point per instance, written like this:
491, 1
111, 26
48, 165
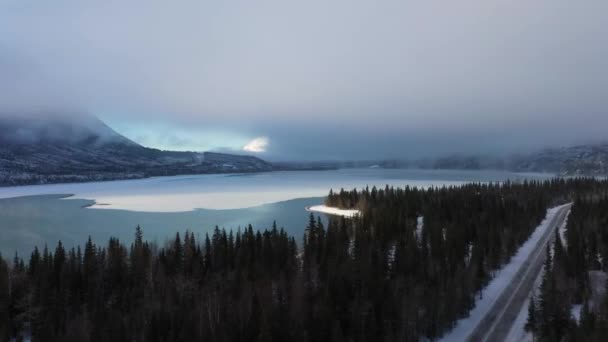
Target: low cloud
387, 79
257, 145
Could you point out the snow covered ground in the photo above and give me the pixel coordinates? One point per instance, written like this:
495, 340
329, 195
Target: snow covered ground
419, 227
597, 283
334, 211
504, 276
517, 332
575, 311
562, 231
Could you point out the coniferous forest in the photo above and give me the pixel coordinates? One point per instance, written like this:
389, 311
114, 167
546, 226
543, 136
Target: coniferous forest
406, 269
571, 303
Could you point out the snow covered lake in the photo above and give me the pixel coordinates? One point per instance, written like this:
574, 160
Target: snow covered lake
35, 215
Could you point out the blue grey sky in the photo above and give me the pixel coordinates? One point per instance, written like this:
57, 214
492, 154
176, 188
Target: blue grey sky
316, 79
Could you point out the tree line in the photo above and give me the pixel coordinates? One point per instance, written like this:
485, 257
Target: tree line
574, 280
406, 269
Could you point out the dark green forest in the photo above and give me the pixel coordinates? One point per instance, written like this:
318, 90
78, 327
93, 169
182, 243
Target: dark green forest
575, 275
380, 276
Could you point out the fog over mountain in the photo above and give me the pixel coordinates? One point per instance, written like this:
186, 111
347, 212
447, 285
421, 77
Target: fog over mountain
316, 79
67, 128
78, 147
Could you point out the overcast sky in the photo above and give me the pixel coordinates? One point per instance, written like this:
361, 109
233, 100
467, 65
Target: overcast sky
316, 79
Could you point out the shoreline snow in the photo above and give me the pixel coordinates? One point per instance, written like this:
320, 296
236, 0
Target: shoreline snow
501, 280
334, 211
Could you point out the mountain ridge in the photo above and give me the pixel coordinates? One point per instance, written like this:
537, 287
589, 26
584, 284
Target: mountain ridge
79, 149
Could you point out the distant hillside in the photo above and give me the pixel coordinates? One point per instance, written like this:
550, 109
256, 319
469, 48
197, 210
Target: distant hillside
582, 160
576, 160
72, 149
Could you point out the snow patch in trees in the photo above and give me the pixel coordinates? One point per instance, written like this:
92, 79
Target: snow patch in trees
390, 257
334, 211
419, 227
562, 231
503, 278
575, 311
469, 256
597, 283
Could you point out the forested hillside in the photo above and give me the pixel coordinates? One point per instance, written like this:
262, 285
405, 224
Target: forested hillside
64, 149
406, 269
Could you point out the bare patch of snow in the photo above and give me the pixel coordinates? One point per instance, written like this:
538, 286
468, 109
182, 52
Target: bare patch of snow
419, 227
562, 230
597, 283
469, 255
334, 211
503, 278
390, 257
351, 248
575, 311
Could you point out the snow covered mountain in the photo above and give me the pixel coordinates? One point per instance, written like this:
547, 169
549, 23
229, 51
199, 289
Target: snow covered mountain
83, 148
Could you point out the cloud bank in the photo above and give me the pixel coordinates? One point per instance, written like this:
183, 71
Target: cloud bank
342, 77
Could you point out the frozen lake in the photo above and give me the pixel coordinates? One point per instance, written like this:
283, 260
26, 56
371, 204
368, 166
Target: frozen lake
35, 215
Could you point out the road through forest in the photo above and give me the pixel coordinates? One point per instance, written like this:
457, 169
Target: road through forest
497, 322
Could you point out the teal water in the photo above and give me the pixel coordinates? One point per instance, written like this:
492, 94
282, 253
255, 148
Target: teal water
38, 220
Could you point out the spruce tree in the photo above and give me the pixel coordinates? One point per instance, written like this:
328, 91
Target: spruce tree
531, 322
4, 300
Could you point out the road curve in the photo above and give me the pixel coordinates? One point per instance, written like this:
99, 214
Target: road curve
496, 324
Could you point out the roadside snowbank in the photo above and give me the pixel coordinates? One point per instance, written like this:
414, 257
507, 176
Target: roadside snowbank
503, 278
334, 211
562, 230
518, 332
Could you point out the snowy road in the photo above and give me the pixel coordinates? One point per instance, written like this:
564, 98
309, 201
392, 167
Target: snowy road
497, 322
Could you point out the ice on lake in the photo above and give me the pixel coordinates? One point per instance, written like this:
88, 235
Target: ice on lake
186, 193
166, 205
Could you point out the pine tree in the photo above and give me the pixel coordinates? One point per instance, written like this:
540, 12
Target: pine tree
545, 316
139, 236
588, 319
481, 275
208, 255
4, 300
177, 255
531, 322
